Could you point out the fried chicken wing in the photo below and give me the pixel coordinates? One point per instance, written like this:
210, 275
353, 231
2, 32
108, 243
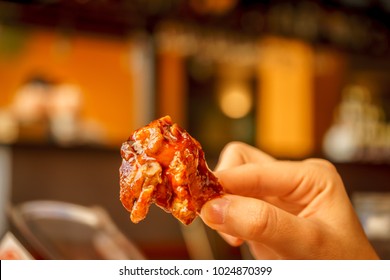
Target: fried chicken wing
163, 164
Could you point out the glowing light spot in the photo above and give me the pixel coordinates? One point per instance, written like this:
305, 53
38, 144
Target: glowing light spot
235, 101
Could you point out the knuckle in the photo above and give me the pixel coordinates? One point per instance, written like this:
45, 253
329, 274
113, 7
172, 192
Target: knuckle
320, 165
324, 174
263, 224
232, 147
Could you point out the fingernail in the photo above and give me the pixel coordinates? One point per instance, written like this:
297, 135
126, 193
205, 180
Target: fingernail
215, 210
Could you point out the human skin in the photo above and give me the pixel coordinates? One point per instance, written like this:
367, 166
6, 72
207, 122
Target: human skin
285, 209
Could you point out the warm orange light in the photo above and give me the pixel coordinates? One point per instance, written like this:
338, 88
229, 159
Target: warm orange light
235, 100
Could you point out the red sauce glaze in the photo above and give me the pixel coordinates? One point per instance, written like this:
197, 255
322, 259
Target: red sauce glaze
163, 164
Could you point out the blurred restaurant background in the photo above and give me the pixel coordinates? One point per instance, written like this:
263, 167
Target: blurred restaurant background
296, 79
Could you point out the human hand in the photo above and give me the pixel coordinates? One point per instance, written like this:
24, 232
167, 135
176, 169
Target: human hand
285, 209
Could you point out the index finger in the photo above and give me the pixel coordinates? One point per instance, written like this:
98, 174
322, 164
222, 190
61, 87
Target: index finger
298, 181
238, 153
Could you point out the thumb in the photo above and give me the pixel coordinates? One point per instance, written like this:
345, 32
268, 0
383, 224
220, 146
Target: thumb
257, 221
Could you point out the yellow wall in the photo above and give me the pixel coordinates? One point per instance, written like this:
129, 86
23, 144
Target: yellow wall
285, 109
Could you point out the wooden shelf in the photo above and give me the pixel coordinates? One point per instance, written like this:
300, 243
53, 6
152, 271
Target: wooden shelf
365, 177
